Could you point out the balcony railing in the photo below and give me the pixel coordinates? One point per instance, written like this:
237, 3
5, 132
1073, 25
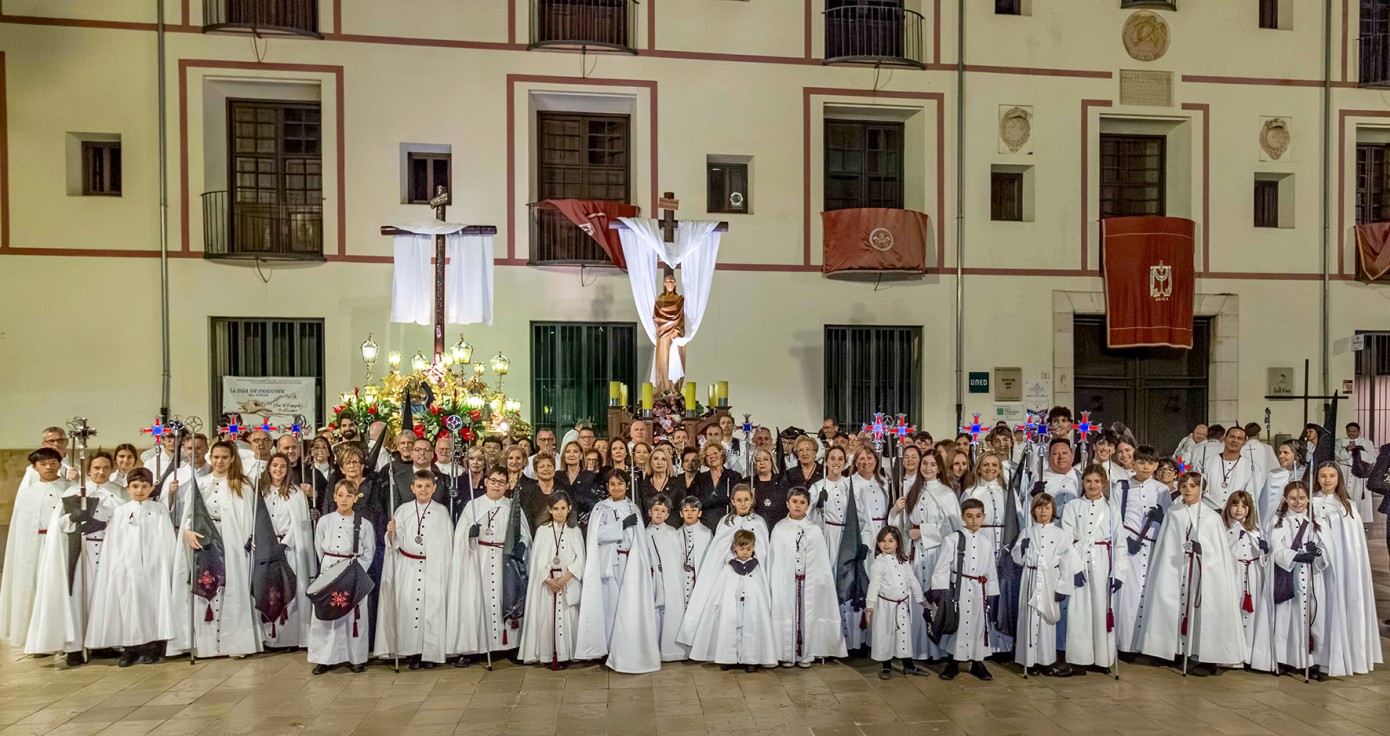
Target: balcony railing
267, 231
584, 24
882, 36
1375, 60
262, 17
555, 241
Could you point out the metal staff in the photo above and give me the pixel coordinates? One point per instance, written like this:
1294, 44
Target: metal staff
191, 425
749, 459
80, 431
453, 423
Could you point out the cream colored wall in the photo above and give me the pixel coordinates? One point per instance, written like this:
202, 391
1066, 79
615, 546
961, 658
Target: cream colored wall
764, 329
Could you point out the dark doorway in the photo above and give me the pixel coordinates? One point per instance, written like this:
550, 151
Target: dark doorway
1372, 409
1159, 393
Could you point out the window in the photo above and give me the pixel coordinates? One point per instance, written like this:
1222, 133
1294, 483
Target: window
727, 189
1269, 13
426, 172
873, 31
1006, 195
580, 157
1372, 183
863, 164
1168, 4
1132, 175
280, 17
1008, 7
872, 369
1266, 203
101, 168
266, 348
1375, 43
571, 365
583, 23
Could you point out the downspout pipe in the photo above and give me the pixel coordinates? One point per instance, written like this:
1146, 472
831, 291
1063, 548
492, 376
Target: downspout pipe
1325, 305
960, 211
163, 215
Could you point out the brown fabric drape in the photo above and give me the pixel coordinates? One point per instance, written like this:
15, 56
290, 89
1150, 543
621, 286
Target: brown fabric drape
592, 216
1372, 251
1149, 281
874, 239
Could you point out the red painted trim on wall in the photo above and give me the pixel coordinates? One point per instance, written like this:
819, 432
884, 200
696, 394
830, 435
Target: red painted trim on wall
808, 22
1086, 106
1205, 109
4, 156
184, 13
651, 24
511, 21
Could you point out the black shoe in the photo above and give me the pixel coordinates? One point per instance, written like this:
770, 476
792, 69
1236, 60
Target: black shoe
415, 664
1060, 669
1318, 675
357, 668
319, 669
128, 658
979, 670
1102, 670
750, 668
426, 665
150, 658
910, 669
74, 659
462, 662
952, 669
725, 667
1197, 669
885, 673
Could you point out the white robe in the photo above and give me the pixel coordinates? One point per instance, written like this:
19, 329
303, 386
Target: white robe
695, 540
551, 624
475, 613
993, 496
343, 639
1283, 630
1356, 487
1129, 601
60, 610
1251, 572
831, 519
1094, 527
805, 606
33, 508
295, 529
617, 593
1049, 567
1224, 477
720, 552
1272, 494
412, 612
1214, 631
233, 629
1063, 487
978, 580
734, 626
132, 602
669, 586
935, 516
1353, 629
892, 587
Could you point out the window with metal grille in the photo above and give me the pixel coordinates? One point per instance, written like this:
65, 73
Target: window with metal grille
580, 157
1008, 7
255, 347
1266, 203
1006, 195
1372, 183
728, 188
872, 369
1269, 13
863, 164
426, 171
1372, 388
275, 159
571, 365
1133, 175
101, 168
1375, 43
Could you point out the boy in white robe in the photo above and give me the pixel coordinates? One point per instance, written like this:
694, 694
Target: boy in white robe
412, 616
132, 603
967, 560
668, 580
617, 594
476, 621
34, 505
695, 539
60, 617
1049, 565
893, 588
1095, 528
551, 626
1140, 502
989, 490
805, 605
342, 640
1192, 605
734, 627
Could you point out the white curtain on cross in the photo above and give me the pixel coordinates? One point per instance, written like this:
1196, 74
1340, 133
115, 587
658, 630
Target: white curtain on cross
696, 250
467, 275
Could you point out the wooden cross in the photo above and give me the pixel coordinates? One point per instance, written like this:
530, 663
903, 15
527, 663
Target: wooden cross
440, 262
669, 204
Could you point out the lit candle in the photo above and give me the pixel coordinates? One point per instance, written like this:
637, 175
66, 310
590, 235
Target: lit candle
615, 390
647, 399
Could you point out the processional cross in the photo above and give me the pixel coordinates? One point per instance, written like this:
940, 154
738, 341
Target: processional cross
440, 262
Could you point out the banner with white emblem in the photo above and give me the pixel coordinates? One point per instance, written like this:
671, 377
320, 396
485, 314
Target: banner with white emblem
1149, 281
874, 239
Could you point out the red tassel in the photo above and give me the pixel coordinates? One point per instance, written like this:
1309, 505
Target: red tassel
504, 635
1248, 605
555, 661
864, 619
272, 630
356, 614
207, 617
1109, 621
1184, 625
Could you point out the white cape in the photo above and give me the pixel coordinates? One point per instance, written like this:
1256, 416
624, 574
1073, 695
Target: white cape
33, 507
735, 624
412, 612
132, 603
1214, 628
718, 555
552, 620
60, 615
1353, 630
805, 605
635, 649
234, 628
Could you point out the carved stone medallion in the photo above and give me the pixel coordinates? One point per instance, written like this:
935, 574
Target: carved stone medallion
1145, 36
1015, 127
1275, 137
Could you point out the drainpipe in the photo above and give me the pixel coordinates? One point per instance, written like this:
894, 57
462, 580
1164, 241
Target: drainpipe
1326, 190
163, 218
960, 210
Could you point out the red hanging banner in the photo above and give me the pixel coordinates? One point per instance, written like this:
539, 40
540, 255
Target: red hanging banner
1372, 251
592, 216
1149, 281
874, 239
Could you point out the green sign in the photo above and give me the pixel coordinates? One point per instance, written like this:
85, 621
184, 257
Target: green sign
979, 382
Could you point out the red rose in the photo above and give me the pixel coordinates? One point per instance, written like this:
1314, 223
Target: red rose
332, 426
419, 431
466, 434
371, 410
475, 415
434, 410
338, 409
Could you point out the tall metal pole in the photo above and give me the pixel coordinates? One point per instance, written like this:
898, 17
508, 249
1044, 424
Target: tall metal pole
163, 216
960, 210
1325, 327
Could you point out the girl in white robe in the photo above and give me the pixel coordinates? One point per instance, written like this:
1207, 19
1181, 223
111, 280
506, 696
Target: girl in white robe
1287, 628
60, 615
231, 629
617, 592
551, 626
33, 508
929, 512
342, 640
1250, 551
412, 612
476, 619
740, 518
132, 604
805, 607
1094, 527
733, 620
289, 514
989, 491
976, 580
668, 578
1353, 634
1049, 566
830, 500
893, 585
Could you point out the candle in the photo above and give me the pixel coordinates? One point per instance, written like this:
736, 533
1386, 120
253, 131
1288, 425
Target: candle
615, 390
623, 399
647, 399
689, 391
709, 401
722, 392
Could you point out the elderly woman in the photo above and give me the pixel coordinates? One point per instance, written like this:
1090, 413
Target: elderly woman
715, 485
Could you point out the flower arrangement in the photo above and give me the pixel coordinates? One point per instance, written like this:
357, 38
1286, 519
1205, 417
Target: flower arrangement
432, 395
668, 413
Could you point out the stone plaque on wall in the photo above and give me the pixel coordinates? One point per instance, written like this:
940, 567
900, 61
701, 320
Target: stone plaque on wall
1276, 139
1015, 129
1145, 36
1150, 89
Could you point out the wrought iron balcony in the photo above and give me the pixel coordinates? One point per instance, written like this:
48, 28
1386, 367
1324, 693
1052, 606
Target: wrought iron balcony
276, 232
584, 24
1375, 60
262, 17
868, 34
555, 241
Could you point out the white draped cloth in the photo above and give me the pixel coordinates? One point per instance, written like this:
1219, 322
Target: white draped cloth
696, 250
467, 275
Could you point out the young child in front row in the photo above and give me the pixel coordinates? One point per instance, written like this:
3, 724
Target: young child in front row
411, 620
1291, 622
668, 585
1049, 566
967, 558
892, 585
1249, 548
341, 543
735, 627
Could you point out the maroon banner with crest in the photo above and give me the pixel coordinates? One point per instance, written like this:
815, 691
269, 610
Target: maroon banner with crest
874, 239
1149, 281
1372, 251
592, 216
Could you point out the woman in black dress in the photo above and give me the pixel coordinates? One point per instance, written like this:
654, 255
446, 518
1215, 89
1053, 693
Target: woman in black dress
577, 481
715, 485
769, 489
661, 480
